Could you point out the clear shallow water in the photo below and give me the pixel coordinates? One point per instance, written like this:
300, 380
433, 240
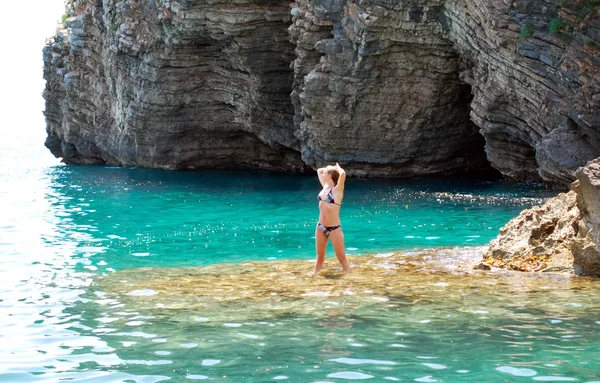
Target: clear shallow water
66, 316
112, 275
404, 317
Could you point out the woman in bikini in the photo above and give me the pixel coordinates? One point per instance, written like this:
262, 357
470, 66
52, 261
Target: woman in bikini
332, 179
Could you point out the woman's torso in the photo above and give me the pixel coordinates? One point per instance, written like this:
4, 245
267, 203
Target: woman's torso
329, 206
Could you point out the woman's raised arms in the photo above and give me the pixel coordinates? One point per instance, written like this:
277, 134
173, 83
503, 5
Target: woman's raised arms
321, 175
342, 178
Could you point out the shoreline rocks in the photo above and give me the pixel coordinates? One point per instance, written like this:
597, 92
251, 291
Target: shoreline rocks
586, 247
560, 236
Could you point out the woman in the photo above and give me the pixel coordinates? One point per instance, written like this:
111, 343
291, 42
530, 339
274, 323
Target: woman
332, 179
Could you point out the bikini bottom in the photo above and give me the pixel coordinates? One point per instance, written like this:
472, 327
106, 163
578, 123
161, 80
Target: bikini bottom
327, 229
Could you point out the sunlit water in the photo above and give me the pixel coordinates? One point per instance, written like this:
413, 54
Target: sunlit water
112, 275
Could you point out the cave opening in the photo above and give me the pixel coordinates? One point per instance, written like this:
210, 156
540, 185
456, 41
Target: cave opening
472, 148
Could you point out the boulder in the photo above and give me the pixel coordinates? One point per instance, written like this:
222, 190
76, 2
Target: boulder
560, 236
586, 247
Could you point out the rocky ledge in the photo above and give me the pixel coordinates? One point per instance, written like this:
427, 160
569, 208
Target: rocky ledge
563, 235
388, 88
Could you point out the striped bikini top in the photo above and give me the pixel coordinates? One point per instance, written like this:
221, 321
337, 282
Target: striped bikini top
328, 198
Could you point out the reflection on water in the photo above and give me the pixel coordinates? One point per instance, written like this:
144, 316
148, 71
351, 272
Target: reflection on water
91, 283
405, 316
38, 283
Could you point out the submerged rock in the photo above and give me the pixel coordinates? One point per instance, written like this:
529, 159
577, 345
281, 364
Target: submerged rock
407, 284
562, 235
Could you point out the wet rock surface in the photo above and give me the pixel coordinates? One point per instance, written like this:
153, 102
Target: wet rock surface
562, 235
390, 88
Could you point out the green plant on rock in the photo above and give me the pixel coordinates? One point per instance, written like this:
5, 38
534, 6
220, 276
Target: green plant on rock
169, 26
64, 17
113, 23
526, 31
588, 7
555, 25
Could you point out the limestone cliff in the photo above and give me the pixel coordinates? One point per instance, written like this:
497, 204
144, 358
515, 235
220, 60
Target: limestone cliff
586, 246
172, 84
377, 86
385, 87
562, 235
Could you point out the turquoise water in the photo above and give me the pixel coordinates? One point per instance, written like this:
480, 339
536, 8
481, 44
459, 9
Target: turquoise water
135, 275
115, 219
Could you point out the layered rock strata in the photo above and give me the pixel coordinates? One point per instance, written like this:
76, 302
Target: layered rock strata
535, 83
401, 76
377, 86
387, 88
173, 85
562, 235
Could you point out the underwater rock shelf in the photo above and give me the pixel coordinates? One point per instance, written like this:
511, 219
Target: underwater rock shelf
405, 281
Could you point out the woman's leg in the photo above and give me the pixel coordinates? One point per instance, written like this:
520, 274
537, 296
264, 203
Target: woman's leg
321, 241
337, 240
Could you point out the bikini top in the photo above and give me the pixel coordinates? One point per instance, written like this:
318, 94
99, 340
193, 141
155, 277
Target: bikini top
328, 198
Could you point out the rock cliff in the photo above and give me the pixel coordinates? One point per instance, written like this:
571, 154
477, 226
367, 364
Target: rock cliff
562, 235
385, 87
586, 246
377, 86
172, 84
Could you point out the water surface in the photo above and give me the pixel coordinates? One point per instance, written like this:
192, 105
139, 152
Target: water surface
122, 218
136, 275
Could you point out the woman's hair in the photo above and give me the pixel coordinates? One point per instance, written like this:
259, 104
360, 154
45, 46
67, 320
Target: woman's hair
335, 175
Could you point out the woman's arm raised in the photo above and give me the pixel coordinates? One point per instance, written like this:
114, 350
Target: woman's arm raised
342, 179
321, 174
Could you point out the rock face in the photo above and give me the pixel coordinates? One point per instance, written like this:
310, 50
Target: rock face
172, 84
539, 239
532, 96
387, 88
586, 247
562, 235
377, 86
